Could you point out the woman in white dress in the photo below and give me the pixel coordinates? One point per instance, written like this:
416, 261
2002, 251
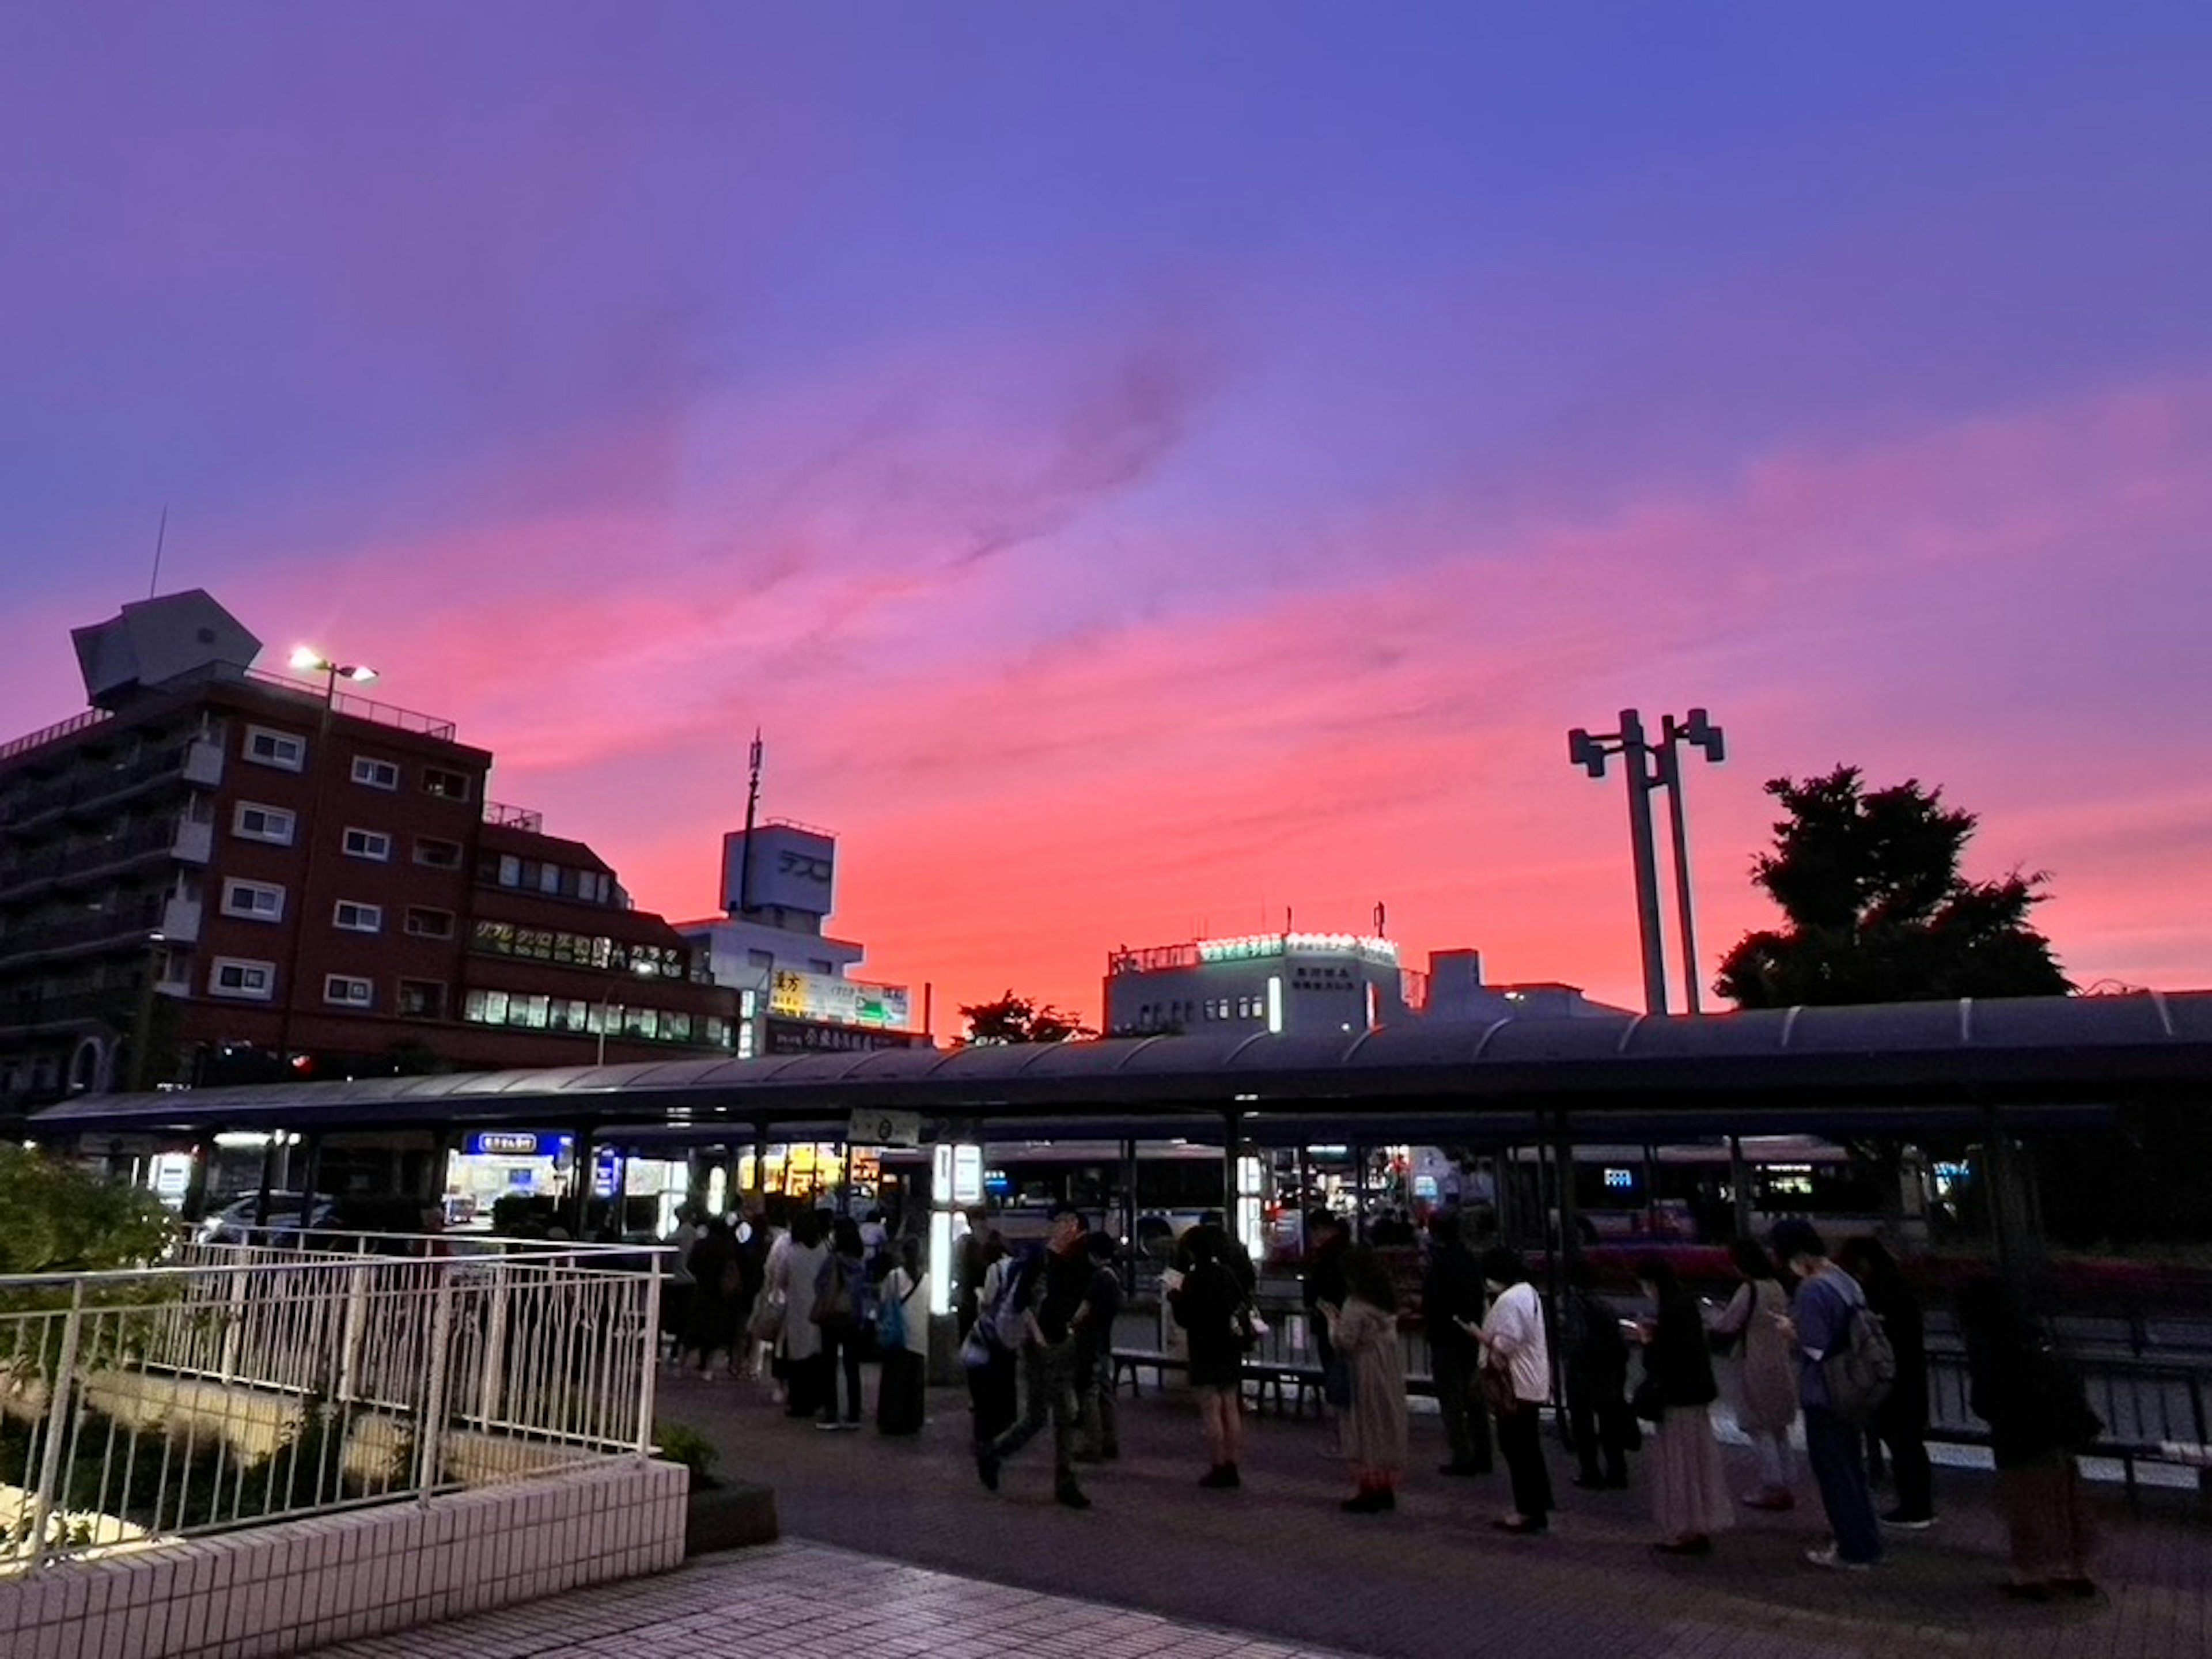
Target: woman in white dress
793, 1277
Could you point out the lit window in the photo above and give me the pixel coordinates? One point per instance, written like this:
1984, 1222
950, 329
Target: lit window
429, 924
447, 786
257, 901
548, 878
349, 992
510, 871
369, 844
358, 918
280, 750
253, 821
233, 976
375, 774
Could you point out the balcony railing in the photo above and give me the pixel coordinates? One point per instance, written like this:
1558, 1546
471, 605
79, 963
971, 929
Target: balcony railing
358, 708
499, 814
253, 1383
53, 733
89, 787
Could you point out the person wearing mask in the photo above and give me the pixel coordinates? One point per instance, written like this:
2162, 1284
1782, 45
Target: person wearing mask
1364, 1330
793, 1278
2039, 1420
1751, 1327
1451, 1301
1100, 1439
1900, 1422
841, 1310
1054, 1293
1689, 1487
1596, 1380
903, 1330
1820, 1317
1514, 1345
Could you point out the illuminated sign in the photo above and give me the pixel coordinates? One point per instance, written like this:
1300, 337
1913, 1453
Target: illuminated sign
1255, 946
514, 1143
795, 995
793, 1036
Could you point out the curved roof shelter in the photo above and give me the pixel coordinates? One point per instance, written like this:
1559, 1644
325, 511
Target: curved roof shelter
1903, 1066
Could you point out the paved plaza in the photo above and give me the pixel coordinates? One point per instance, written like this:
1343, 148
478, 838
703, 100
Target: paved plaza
1161, 1567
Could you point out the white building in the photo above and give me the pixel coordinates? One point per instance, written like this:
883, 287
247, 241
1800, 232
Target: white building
779, 888
1455, 991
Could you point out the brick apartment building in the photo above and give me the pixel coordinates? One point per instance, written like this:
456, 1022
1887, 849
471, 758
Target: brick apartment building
218, 873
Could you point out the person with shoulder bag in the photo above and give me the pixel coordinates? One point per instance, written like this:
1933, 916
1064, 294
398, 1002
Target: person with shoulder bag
1751, 1326
902, 1338
840, 1288
1689, 1487
1517, 1381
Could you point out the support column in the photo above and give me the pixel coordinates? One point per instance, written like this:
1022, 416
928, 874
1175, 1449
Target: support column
1358, 1193
311, 1178
1739, 1187
1128, 1260
2013, 1203
579, 1198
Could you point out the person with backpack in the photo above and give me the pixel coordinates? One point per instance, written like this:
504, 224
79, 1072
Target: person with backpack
1900, 1422
902, 1338
989, 1359
1835, 1334
1054, 1289
842, 1308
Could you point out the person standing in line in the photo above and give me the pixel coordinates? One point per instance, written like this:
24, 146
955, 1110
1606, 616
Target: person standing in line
1204, 1304
1596, 1380
1767, 1384
840, 1311
1055, 1293
1820, 1317
677, 1284
2039, 1420
1514, 1343
1365, 1329
903, 1340
1324, 1286
1100, 1440
713, 1265
794, 1279
970, 1263
1689, 1487
1451, 1300
1900, 1422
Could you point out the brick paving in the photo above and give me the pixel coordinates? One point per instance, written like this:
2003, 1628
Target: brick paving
1275, 1569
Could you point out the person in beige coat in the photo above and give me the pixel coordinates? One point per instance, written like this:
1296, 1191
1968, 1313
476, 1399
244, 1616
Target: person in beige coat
1754, 1324
1363, 1329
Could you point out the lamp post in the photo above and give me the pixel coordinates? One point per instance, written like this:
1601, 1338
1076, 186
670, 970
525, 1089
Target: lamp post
1649, 767
643, 971
313, 661
142, 1036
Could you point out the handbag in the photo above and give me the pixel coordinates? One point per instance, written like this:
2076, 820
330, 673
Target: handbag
767, 1322
1495, 1384
833, 1304
1647, 1403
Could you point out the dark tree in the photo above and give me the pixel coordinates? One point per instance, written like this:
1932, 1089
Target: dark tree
1877, 909
1017, 1019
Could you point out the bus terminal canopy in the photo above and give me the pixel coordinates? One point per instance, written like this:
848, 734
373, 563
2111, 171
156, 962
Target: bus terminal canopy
1900, 1066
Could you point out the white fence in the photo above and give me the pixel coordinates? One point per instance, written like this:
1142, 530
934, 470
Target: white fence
250, 1383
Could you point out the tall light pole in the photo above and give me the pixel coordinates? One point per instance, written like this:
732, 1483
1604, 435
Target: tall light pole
307, 658
642, 971
1696, 732
1590, 754
1649, 767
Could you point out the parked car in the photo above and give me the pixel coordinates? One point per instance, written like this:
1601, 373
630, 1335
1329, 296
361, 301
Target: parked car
233, 1223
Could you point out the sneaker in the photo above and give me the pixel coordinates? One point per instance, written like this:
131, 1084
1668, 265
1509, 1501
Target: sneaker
1520, 1525
1831, 1557
1904, 1522
986, 1468
851, 1426
1069, 1496
826, 1425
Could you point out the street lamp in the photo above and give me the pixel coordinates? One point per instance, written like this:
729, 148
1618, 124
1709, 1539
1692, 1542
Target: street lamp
1649, 767
309, 660
643, 970
142, 1035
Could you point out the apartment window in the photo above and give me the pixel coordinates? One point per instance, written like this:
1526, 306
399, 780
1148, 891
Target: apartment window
369, 844
437, 854
548, 878
510, 871
257, 901
375, 774
253, 821
235, 976
422, 998
280, 750
358, 918
429, 924
349, 992
447, 786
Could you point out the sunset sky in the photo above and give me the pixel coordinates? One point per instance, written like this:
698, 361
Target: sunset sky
1148, 466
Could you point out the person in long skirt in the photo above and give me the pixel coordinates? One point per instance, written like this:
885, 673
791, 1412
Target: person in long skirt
1766, 1385
1364, 1330
1689, 1487
900, 1393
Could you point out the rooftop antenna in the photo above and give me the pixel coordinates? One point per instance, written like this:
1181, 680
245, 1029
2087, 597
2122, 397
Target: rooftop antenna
1380, 932
160, 537
752, 813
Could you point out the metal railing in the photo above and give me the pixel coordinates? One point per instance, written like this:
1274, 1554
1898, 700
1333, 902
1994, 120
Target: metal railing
359, 707
244, 1383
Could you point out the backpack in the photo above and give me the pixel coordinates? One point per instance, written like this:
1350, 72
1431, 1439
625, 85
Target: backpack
890, 1320
1860, 1369
1000, 1323
833, 1298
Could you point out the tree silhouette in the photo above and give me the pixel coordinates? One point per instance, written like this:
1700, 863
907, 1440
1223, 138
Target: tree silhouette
1877, 909
1017, 1019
